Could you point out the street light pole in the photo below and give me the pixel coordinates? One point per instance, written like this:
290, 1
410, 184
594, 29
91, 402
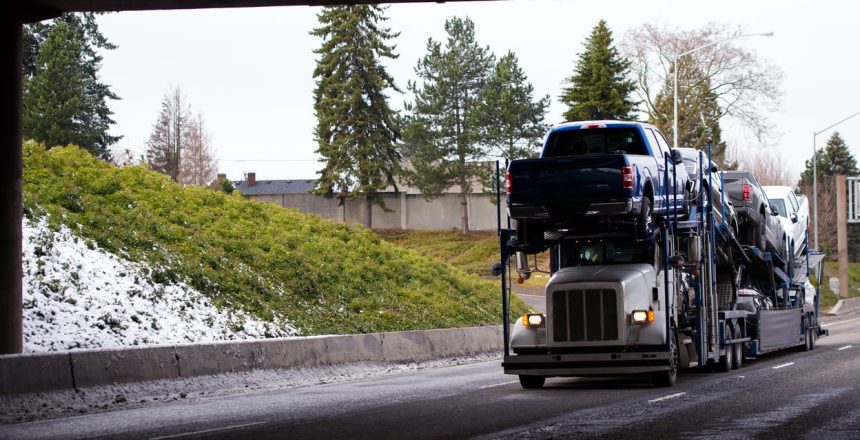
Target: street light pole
815, 176
675, 81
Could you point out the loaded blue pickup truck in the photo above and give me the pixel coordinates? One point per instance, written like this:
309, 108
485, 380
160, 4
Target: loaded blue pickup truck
594, 175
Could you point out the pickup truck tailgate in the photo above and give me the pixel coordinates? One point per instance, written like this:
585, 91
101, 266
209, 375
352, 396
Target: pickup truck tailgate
569, 179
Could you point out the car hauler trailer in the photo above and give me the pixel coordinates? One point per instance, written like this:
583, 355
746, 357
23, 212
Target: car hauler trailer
618, 303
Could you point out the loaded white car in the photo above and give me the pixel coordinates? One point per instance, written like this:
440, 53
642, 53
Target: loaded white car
793, 214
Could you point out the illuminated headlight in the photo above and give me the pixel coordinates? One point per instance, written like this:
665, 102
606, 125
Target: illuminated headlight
642, 316
533, 320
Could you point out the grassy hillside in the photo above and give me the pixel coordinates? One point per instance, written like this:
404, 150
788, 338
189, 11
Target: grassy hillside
831, 269
472, 253
323, 277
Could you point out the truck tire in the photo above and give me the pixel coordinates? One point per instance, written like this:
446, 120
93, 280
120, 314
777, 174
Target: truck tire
727, 360
665, 379
738, 355
532, 382
646, 218
808, 343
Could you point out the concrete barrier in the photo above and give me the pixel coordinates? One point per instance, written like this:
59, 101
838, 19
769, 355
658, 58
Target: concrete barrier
71, 370
33, 373
101, 367
844, 306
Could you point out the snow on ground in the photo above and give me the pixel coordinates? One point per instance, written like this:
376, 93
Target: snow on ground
79, 296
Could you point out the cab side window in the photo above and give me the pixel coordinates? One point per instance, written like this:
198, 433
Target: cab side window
792, 199
662, 141
655, 144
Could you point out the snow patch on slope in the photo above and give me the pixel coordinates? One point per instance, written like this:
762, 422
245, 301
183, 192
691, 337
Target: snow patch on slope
77, 295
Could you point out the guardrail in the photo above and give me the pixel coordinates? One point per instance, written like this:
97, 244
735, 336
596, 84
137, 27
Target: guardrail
75, 369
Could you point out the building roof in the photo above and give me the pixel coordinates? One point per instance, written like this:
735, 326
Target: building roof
298, 186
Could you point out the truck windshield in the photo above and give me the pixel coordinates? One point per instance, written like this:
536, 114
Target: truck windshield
623, 140
604, 252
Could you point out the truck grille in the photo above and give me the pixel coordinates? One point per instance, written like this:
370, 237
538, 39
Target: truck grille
584, 315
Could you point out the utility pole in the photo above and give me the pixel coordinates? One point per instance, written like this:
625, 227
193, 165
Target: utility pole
842, 234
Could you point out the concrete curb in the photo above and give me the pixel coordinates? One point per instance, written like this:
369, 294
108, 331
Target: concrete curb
844, 306
71, 370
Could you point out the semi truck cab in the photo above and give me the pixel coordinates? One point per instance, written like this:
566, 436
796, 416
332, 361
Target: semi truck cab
606, 314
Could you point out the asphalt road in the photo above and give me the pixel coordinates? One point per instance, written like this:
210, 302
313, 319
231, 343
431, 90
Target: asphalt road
786, 395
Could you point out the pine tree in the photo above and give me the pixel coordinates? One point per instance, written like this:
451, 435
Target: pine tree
356, 128
511, 122
442, 134
78, 62
834, 159
600, 87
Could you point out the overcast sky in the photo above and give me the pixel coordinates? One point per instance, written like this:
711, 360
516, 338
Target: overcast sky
249, 71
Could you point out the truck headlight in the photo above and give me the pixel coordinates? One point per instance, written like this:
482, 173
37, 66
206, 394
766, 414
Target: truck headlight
533, 320
642, 316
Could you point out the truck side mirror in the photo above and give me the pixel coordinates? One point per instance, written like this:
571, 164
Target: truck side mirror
676, 261
793, 217
496, 269
773, 210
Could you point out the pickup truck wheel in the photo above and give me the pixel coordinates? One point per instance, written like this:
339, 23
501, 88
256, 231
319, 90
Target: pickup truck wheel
646, 218
532, 382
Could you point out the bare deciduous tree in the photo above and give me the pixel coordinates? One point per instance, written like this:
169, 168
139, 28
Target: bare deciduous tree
198, 165
768, 166
165, 144
746, 88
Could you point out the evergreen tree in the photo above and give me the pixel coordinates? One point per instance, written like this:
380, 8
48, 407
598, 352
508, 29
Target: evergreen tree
510, 121
442, 135
63, 100
835, 158
356, 129
600, 86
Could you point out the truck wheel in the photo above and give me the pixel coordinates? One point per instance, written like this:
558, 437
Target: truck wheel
808, 344
727, 360
646, 218
666, 379
532, 382
738, 355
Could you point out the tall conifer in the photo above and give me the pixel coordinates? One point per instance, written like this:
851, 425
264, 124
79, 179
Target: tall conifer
356, 128
600, 86
442, 134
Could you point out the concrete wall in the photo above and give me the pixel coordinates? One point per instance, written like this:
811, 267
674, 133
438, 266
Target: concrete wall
72, 370
404, 211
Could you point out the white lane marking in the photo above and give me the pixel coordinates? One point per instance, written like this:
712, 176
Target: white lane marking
844, 348
497, 384
783, 365
670, 396
840, 322
532, 296
207, 431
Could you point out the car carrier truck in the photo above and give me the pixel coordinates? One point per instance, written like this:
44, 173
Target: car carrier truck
620, 303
